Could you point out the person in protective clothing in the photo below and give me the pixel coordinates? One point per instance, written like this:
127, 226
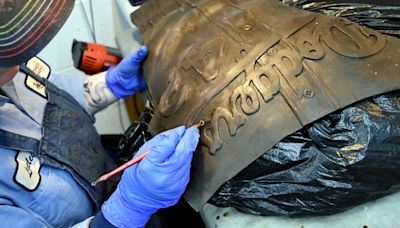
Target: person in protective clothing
49, 149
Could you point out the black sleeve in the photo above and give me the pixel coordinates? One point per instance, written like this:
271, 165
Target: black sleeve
100, 222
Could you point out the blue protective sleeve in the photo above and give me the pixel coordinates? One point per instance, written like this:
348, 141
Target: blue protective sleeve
100, 222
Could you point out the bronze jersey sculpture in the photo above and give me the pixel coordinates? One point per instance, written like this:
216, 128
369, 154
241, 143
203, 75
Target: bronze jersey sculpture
255, 71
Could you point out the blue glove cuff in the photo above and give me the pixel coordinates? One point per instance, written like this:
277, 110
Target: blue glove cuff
120, 214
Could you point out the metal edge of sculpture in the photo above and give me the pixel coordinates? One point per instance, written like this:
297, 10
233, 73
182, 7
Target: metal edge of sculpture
255, 71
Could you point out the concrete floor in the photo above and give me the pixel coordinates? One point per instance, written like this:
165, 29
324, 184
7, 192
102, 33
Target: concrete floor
381, 213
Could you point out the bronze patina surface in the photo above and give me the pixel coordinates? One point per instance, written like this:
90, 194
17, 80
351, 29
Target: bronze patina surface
255, 71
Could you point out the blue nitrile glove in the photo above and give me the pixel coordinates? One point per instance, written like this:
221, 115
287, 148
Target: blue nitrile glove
127, 78
158, 181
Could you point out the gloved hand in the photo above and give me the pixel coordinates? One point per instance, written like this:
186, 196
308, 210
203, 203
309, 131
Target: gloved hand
127, 77
158, 181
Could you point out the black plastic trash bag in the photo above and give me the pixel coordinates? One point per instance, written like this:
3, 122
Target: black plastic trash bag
347, 158
381, 15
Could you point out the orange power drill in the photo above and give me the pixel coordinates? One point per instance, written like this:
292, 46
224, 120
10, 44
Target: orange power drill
93, 58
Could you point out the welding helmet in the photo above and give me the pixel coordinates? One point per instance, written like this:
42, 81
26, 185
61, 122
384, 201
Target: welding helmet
26, 26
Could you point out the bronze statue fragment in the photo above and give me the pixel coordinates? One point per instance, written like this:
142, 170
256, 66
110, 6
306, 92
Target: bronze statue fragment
255, 71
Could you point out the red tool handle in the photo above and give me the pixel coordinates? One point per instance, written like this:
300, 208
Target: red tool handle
132, 162
122, 167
